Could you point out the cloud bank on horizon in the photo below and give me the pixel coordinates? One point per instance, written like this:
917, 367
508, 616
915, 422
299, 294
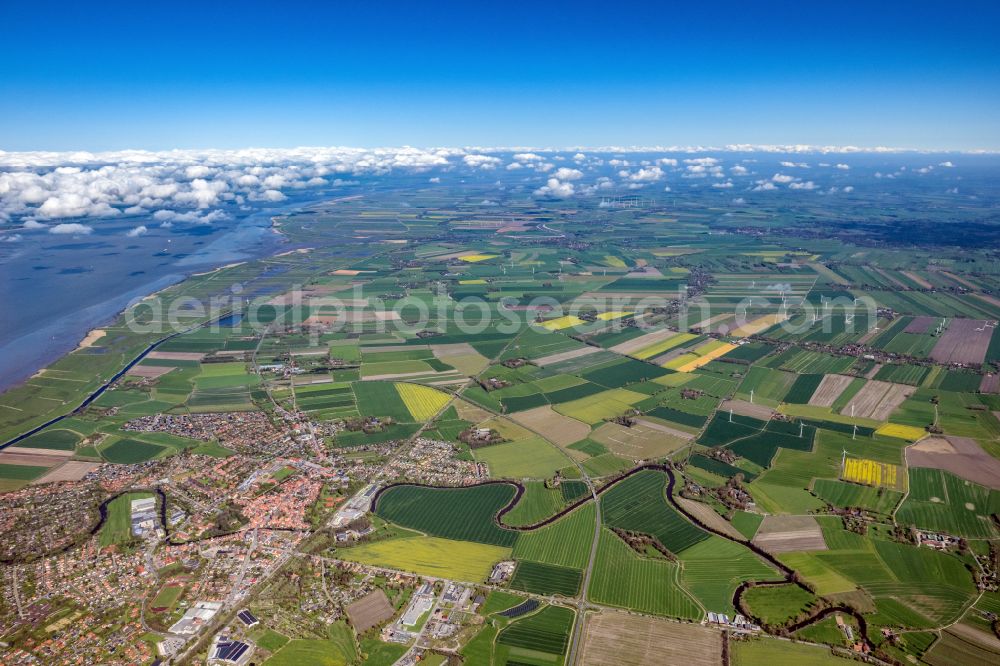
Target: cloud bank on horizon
39, 190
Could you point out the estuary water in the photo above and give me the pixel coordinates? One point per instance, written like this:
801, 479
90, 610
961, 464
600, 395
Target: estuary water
56, 288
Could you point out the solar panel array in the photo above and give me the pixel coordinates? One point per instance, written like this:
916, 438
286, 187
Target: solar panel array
230, 650
521, 609
247, 617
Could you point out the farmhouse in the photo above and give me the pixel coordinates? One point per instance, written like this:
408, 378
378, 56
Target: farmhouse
502, 571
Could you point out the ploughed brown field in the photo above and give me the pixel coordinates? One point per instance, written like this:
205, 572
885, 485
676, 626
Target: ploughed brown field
72, 470
920, 324
370, 610
745, 408
787, 534
876, 400
565, 356
557, 428
709, 517
829, 390
620, 638
964, 341
962, 456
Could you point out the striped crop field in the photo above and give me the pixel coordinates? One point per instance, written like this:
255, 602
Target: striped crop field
705, 354
664, 345
624, 579
423, 402
639, 504
465, 514
547, 631
872, 473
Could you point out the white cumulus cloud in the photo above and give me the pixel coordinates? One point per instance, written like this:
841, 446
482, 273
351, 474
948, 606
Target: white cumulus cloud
562, 173
555, 188
481, 161
71, 228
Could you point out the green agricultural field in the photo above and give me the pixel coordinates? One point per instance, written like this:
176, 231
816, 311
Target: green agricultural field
842, 494
376, 653
565, 542
778, 604
537, 503
127, 451
531, 458
638, 504
803, 388
498, 600
747, 523
931, 587
381, 399
769, 386
62, 440
939, 500
452, 513
600, 406
338, 650
269, 639
781, 653
719, 468
21, 472
605, 465
714, 568
622, 578
479, 650
546, 579
547, 631
723, 429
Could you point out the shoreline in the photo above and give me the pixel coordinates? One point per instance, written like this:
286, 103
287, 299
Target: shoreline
60, 351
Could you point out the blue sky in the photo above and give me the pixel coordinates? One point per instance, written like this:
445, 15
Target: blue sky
113, 75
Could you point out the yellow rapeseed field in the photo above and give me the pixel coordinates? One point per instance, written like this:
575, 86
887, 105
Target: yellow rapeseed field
561, 322
909, 433
870, 472
706, 354
423, 402
606, 316
473, 258
757, 325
